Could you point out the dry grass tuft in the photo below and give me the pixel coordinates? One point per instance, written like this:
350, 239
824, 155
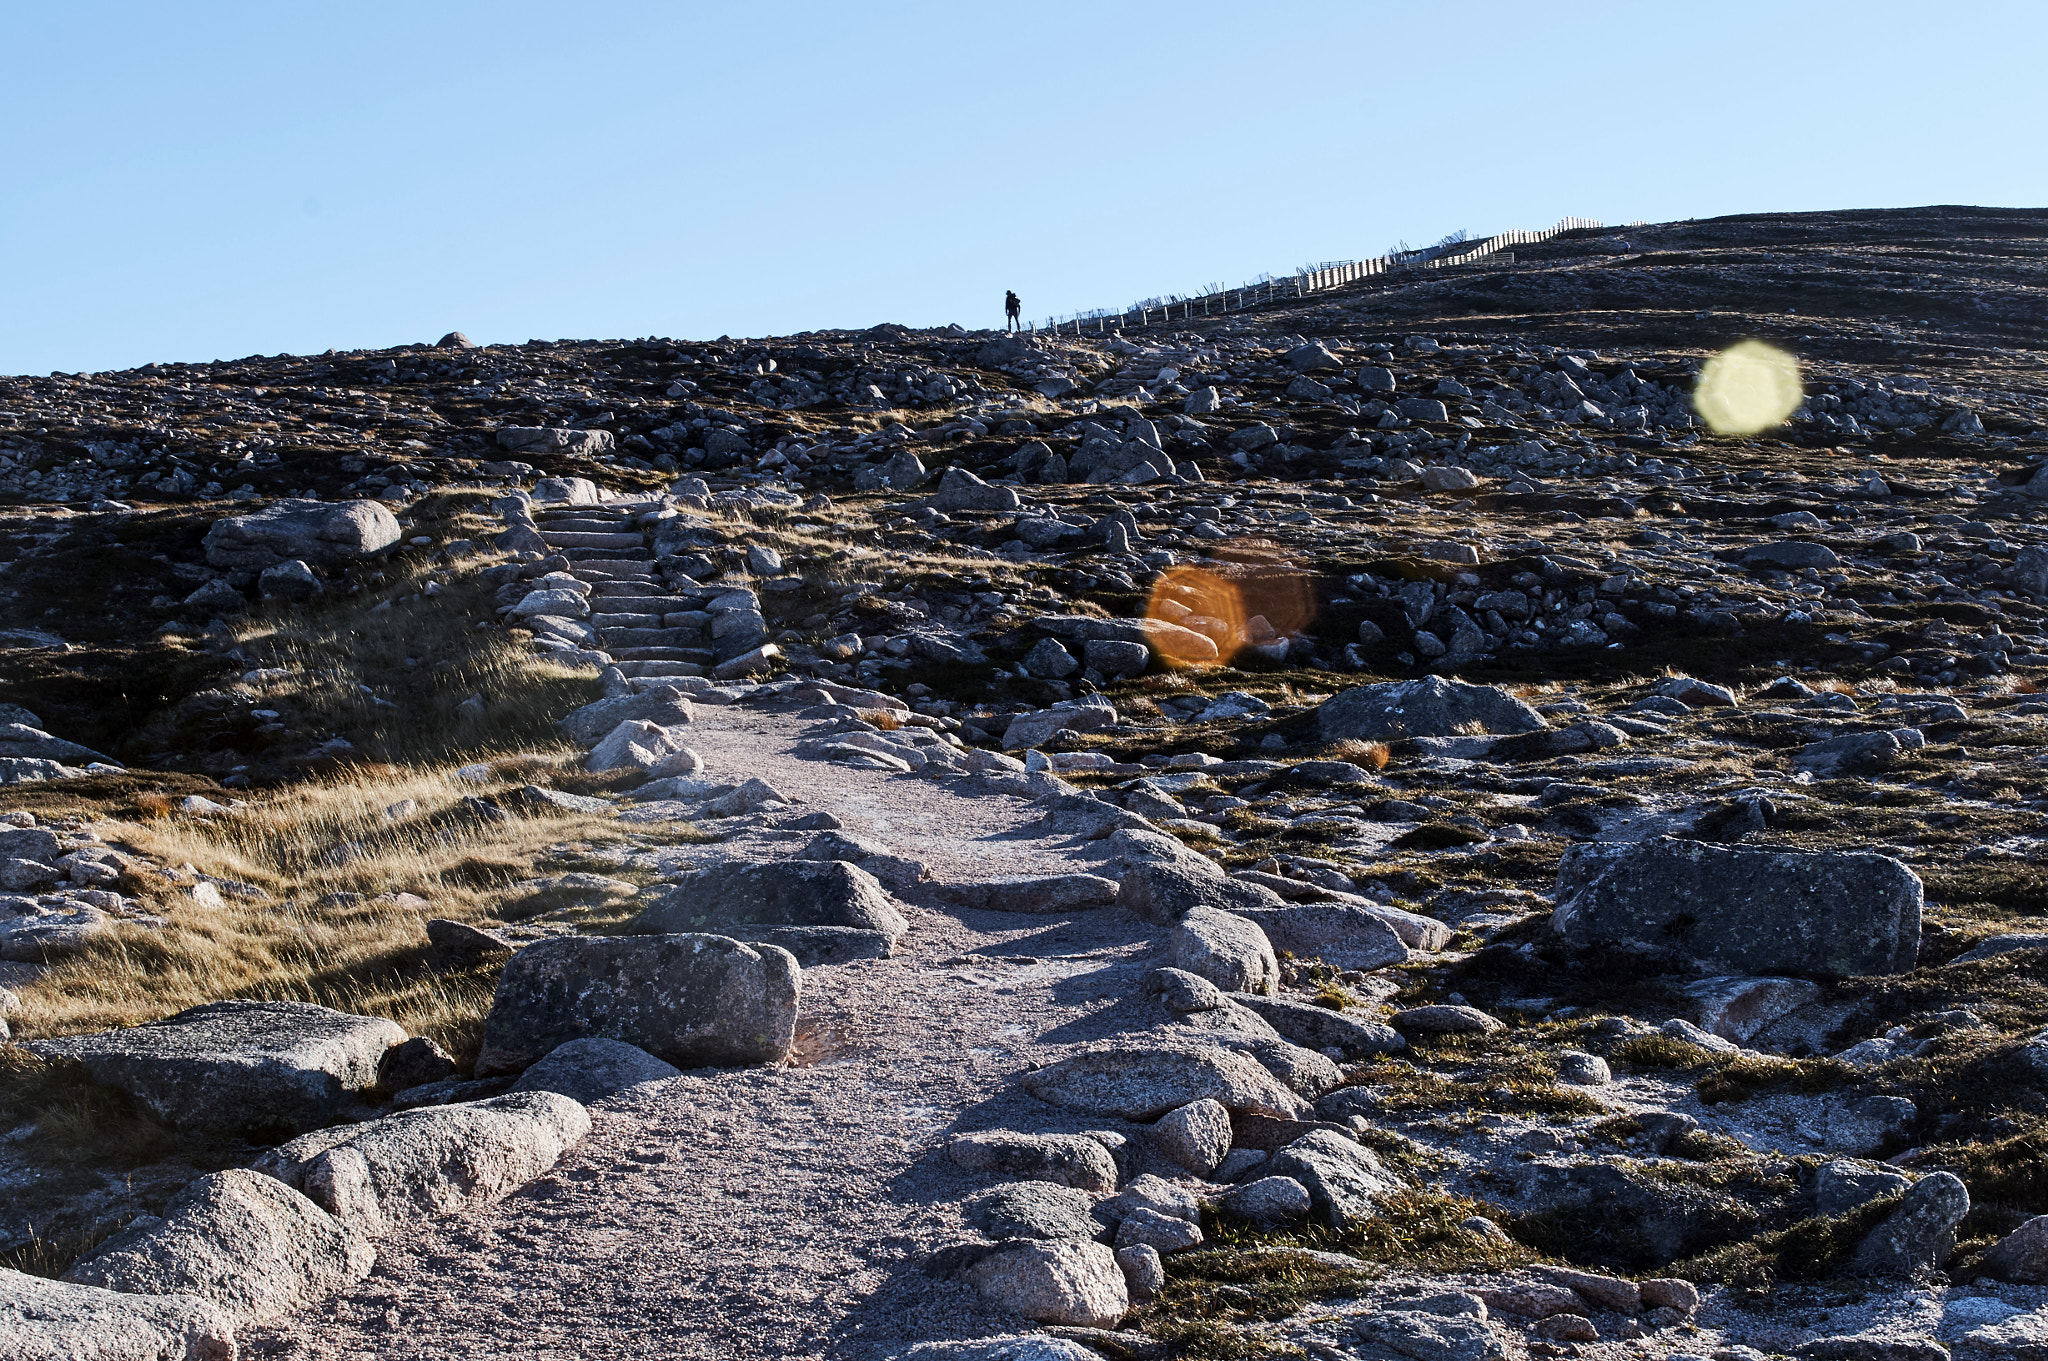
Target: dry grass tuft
1373, 755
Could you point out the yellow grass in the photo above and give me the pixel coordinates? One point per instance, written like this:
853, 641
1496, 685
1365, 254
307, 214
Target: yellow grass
331, 928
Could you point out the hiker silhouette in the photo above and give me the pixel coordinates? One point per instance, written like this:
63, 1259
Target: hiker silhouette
1012, 309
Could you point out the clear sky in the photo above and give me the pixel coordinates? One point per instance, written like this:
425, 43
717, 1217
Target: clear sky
206, 180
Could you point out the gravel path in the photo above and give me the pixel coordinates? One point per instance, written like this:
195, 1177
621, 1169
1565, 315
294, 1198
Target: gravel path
779, 1213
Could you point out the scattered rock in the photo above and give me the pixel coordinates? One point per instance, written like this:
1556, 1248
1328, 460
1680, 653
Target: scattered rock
238, 1067
1063, 1159
245, 1241
44, 1320
1826, 914
687, 999
1144, 1082
435, 1160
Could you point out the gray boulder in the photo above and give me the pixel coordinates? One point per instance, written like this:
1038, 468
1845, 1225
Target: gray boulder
1345, 1180
1267, 1202
291, 580
1315, 1027
1065, 1282
1035, 729
1791, 553
779, 893
1196, 1136
960, 490
45, 1320
1741, 909
434, 1160
1138, 1081
896, 871
1033, 1209
1062, 1159
1227, 950
1340, 934
688, 999
50, 933
1843, 1184
245, 1241
238, 1067
1434, 706
2022, 1255
1164, 893
591, 1069
588, 725
1426, 1335
19, 741
1920, 1234
323, 533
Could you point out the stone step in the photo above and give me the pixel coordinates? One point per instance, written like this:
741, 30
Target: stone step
648, 670
700, 656
640, 568
638, 603
625, 621
576, 538
614, 639
586, 524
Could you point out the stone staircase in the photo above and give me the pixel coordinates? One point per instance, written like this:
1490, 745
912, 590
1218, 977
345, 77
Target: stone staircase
652, 626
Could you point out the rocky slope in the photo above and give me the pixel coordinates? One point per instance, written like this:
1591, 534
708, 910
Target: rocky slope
1472, 862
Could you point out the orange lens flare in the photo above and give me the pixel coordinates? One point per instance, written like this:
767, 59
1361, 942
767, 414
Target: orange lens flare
1196, 618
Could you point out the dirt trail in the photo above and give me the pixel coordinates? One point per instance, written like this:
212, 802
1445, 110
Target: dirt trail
780, 1213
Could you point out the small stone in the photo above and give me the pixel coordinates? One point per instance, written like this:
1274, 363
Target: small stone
1196, 1136
1144, 1273
1166, 1233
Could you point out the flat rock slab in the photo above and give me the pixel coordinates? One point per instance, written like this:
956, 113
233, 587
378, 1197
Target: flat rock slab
238, 1067
247, 1242
1032, 893
1144, 1082
1831, 914
431, 1161
44, 1320
323, 533
781, 893
687, 999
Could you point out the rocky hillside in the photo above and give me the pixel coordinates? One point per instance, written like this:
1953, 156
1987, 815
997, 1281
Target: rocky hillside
1355, 827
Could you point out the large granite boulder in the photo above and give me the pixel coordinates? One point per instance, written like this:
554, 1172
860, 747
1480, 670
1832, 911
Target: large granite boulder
1742, 909
1342, 935
1434, 706
663, 706
238, 1067
1066, 1281
247, 1242
323, 533
687, 999
433, 1160
1164, 893
1140, 1081
1227, 950
732, 898
45, 1320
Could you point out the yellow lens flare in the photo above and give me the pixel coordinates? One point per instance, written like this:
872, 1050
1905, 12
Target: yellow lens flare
1747, 388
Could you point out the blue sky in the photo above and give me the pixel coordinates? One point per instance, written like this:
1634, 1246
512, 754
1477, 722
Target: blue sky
209, 181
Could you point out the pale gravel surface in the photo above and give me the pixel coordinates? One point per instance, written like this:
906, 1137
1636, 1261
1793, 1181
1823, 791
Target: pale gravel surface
783, 1213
